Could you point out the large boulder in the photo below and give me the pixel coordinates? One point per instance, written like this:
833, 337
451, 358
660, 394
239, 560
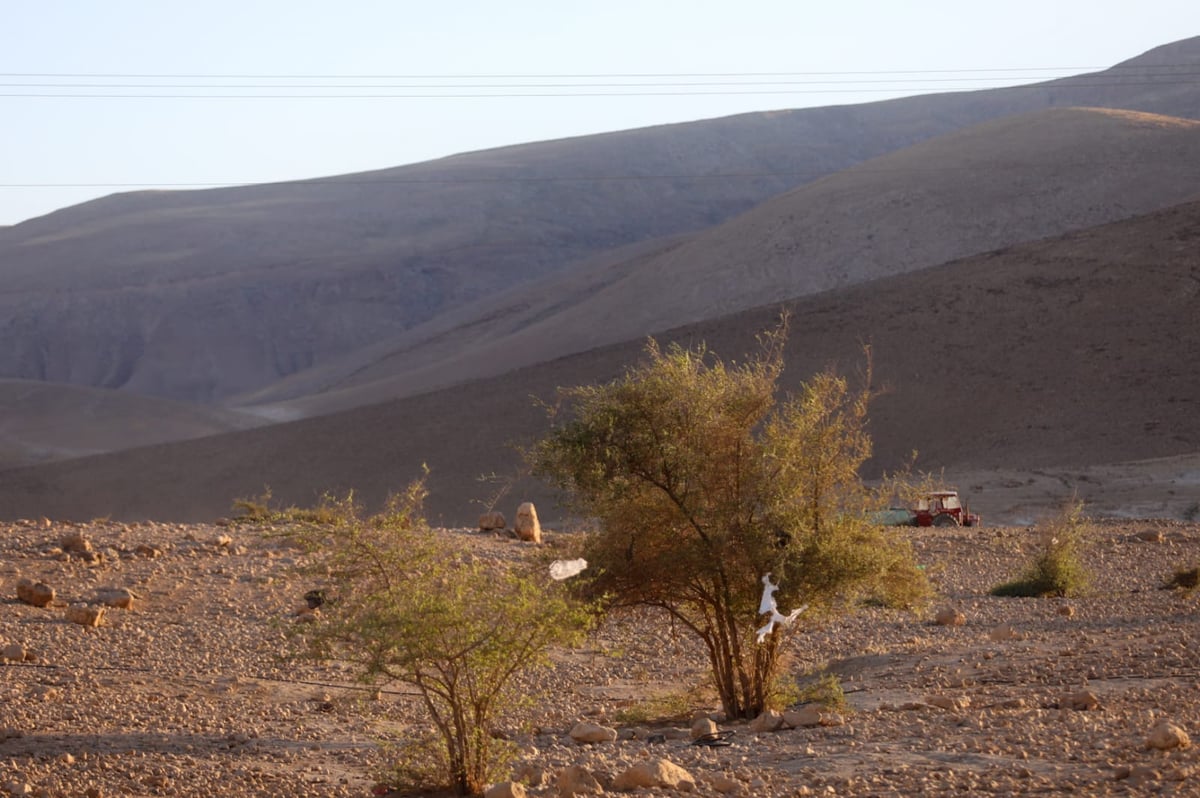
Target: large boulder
85, 615
655, 773
492, 521
577, 780
526, 524
39, 594
1167, 736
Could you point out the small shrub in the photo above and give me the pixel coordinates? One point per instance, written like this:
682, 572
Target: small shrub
661, 708
420, 609
826, 691
1058, 568
1185, 578
258, 512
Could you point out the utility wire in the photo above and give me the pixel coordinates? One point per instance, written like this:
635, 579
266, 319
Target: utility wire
1064, 84
537, 76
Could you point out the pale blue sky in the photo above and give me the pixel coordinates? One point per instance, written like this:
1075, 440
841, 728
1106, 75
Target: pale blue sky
144, 141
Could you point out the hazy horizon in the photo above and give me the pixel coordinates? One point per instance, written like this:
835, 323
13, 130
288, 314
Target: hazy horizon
130, 95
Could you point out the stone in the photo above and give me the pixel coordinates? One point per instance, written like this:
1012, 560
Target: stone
14, 652
1005, 631
492, 521
1081, 700
724, 784
75, 543
119, 597
948, 616
533, 775
526, 524
39, 594
805, 717
85, 615
655, 773
769, 721
946, 702
703, 726
592, 733
576, 780
1066, 610
1167, 736
505, 789
146, 550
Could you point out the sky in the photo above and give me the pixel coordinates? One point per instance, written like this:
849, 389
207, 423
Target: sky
101, 96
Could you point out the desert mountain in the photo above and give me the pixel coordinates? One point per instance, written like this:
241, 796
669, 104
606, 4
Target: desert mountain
47, 421
1015, 179
202, 295
1070, 352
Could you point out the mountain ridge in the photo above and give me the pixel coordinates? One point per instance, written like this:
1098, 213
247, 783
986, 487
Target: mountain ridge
1072, 351
301, 273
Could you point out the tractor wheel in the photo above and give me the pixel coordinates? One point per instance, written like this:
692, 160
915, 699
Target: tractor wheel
945, 519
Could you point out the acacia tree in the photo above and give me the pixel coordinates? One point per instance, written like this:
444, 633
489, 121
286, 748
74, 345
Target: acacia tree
410, 606
702, 481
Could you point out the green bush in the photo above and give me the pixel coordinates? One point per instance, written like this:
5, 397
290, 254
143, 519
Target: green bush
826, 691
703, 480
1058, 568
413, 607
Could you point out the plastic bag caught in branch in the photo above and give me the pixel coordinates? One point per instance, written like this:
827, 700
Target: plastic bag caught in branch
768, 607
565, 569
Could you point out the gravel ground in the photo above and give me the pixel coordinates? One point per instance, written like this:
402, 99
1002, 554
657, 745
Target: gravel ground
187, 693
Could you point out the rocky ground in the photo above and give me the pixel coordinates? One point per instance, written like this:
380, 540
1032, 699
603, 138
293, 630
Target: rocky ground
188, 692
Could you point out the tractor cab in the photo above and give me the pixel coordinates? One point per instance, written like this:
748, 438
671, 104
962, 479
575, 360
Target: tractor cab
943, 508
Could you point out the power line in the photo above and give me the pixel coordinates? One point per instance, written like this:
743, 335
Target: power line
535, 95
1076, 82
532, 76
853, 81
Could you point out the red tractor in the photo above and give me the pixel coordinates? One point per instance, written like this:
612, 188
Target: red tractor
943, 508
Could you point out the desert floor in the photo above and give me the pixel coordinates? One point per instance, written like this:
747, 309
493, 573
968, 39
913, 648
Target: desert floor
188, 693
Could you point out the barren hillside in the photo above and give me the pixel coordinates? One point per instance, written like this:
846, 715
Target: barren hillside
1012, 180
46, 421
205, 294
1071, 352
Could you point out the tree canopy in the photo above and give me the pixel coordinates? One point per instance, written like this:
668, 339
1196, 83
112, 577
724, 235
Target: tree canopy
703, 480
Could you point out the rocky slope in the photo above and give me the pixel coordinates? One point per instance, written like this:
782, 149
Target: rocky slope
1051, 357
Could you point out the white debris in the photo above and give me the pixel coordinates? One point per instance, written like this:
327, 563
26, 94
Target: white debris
768, 606
565, 569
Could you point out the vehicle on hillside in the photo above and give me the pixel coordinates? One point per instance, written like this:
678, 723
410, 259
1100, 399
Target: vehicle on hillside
936, 508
